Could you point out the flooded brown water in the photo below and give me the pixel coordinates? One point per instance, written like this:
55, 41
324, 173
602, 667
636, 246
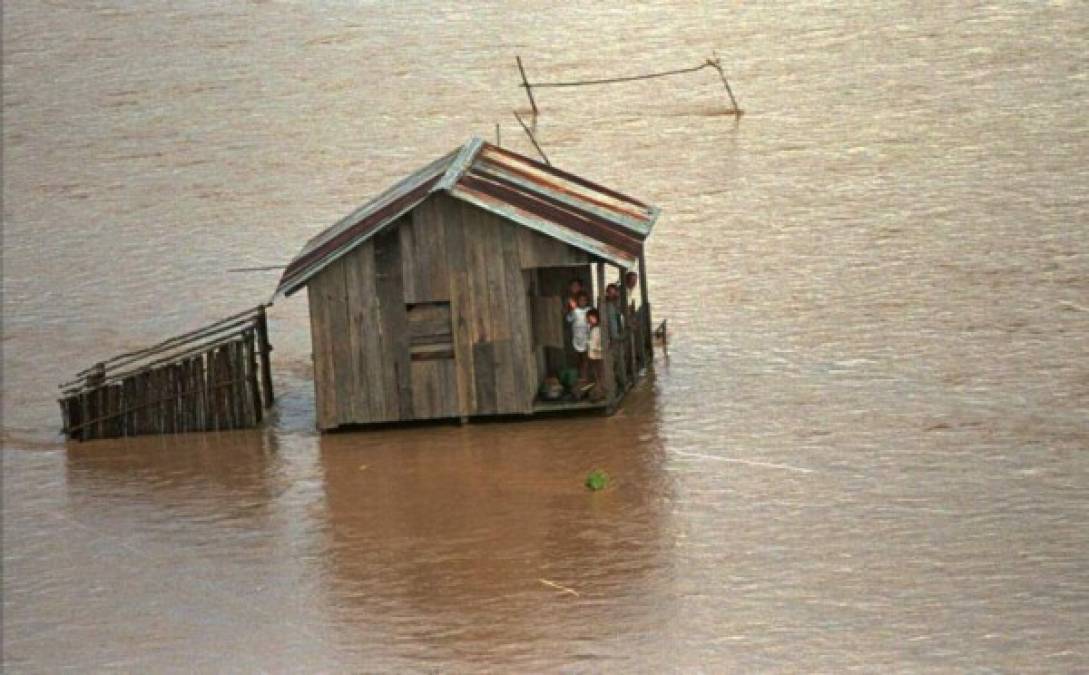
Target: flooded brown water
867, 449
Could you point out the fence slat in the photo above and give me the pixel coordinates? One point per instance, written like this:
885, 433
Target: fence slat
218, 385
254, 393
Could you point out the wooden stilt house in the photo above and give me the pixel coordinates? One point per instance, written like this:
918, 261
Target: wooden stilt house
444, 296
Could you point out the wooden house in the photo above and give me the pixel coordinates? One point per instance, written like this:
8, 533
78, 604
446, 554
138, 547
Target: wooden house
443, 297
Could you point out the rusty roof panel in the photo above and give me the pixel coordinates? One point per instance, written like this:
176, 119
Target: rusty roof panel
541, 206
626, 217
593, 218
534, 222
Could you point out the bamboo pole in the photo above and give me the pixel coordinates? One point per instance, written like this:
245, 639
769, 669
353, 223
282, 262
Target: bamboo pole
528, 87
532, 138
716, 63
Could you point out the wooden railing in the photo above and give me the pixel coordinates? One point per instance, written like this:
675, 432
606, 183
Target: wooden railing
213, 378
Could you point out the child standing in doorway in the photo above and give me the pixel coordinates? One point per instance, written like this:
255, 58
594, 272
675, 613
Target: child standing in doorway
594, 355
577, 309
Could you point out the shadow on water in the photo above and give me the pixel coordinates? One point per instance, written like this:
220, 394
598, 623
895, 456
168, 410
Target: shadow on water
438, 539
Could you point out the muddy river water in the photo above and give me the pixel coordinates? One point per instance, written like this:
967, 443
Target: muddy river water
867, 449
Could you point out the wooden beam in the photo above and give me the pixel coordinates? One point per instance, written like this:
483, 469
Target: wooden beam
527, 85
264, 349
626, 334
648, 337
603, 329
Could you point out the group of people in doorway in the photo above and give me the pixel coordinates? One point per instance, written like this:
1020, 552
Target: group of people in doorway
586, 326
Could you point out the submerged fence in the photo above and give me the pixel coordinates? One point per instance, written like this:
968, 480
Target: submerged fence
213, 378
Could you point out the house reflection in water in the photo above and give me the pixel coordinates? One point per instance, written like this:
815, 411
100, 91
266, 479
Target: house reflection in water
439, 538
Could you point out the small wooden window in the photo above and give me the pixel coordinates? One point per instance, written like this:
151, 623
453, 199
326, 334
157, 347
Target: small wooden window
429, 331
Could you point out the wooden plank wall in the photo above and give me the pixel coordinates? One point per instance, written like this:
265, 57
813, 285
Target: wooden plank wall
366, 368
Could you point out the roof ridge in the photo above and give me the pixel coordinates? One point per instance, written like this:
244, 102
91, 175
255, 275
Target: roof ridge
460, 165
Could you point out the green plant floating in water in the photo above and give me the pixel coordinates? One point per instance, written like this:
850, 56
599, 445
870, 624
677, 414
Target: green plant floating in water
597, 480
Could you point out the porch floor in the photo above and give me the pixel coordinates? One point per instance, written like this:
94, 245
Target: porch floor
540, 406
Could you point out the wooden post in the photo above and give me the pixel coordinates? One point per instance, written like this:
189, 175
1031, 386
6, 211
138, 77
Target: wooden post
254, 392
525, 83
211, 394
648, 323
716, 63
603, 329
532, 138
626, 332
265, 349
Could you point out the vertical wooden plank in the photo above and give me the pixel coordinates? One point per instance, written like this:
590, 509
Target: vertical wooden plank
524, 377
336, 305
410, 268
424, 389
162, 375
69, 405
207, 396
175, 397
86, 408
167, 394
65, 423
648, 328
606, 361
234, 357
478, 265
627, 335
394, 321
136, 402
127, 393
200, 407
242, 390
431, 272
180, 391
221, 374
484, 378
117, 400
100, 411
107, 411
264, 348
193, 385
321, 341
105, 420
493, 270
228, 387
362, 338
254, 397
150, 402
178, 395
184, 396
234, 397
461, 305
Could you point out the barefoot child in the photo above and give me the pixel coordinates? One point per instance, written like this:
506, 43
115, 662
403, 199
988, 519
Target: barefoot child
594, 355
580, 329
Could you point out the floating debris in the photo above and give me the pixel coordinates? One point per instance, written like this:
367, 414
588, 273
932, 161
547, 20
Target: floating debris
560, 587
597, 480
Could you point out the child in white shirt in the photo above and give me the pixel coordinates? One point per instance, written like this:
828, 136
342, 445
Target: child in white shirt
580, 329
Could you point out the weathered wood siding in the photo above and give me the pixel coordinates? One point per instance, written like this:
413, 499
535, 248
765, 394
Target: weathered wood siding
381, 351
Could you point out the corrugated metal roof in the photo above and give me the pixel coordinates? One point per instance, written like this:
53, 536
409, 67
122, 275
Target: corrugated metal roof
595, 219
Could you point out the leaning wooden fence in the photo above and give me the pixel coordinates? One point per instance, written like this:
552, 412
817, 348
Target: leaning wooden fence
213, 378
